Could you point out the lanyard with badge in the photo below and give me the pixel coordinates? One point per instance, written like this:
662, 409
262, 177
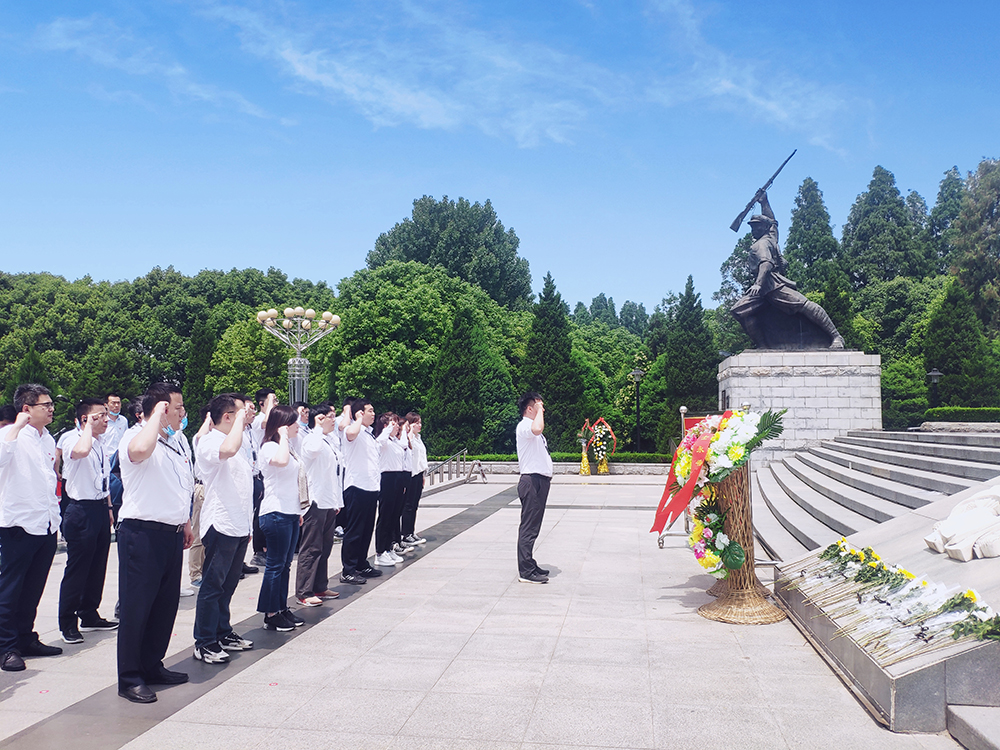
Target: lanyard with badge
185, 476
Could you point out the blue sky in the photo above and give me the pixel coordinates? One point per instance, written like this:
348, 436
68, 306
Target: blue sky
618, 139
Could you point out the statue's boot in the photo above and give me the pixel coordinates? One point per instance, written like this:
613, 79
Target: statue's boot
818, 315
753, 329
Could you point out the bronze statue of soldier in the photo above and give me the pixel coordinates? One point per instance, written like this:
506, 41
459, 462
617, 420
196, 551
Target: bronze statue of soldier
772, 291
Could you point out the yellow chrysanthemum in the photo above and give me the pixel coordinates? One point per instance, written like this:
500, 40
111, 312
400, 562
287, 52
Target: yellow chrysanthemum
710, 560
736, 452
906, 574
970, 594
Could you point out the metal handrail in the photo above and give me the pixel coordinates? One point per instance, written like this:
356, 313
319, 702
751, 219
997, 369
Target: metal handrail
453, 466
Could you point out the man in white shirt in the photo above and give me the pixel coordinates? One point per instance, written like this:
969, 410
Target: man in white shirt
86, 524
415, 486
154, 531
361, 485
266, 400
321, 458
29, 519
117, 425
226, 515
535, 467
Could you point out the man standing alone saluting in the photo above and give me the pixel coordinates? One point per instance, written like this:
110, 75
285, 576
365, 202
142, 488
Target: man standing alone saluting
535, 467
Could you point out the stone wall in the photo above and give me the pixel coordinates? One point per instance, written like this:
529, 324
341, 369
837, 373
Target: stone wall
827, 392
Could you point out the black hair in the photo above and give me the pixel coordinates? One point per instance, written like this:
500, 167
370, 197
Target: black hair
357, 405
262, 395
7, 413
86, 405
280, 416
28, 395
324, 409
413, 416
135, 409
349, 400
156, 393
219, 405
527, 400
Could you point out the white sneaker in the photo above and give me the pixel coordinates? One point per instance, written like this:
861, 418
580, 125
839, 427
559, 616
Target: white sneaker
186, 591
395, 558
383, 560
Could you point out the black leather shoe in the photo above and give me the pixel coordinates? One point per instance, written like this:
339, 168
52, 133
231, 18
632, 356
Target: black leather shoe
138, 694
250, 569
543, 571
11, 661
166, 677
370, 572
40, 649
353, 579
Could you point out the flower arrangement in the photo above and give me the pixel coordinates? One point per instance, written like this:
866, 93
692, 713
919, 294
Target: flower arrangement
602, 436
890, 612
709, 452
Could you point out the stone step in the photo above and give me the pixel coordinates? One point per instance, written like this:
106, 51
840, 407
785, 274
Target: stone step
810, 532
838, 517
949, 451
975, 727
977, 439
775, 540
886, 452
921, 484
849, 470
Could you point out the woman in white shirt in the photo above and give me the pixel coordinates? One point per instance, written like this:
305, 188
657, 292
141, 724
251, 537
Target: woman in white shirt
280, 516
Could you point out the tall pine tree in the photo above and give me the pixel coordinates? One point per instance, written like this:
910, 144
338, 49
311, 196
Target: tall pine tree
879, 242
548, 368
810, 247
977, 242
951, 194
454, 408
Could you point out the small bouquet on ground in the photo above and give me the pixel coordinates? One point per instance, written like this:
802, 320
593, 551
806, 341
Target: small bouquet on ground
602, 439
710, 451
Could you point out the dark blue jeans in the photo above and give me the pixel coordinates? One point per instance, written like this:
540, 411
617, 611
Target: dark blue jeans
220, 574
281, 531
25, 560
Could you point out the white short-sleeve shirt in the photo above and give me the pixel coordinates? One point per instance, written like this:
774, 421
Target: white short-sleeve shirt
228, 505
159, 488
28, 481
281, 483
361, 462
322, 470
87, 477
532, 451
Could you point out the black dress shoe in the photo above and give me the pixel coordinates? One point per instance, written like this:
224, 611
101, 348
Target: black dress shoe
249, 569
353, 579
166, 677
369, 572
543, 571
40, 649
11, 661
138, 694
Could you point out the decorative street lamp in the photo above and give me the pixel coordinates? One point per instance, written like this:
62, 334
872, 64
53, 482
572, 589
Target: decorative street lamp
637, 375
935, 376
299, 329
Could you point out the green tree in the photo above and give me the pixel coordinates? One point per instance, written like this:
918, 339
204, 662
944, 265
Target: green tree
904, 393
951, 194
977, 242
810, 247
201, 347
727, 333
248, 358
633, 317
603, 309
879, 242
30, 370
581, 315
454, 405
837, 303
891, 316
549, 368
466, 239
955, 345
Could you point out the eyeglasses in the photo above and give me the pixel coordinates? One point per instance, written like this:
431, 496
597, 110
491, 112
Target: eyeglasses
45, 404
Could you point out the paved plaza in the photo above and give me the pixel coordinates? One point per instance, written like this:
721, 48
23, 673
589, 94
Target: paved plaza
451, 651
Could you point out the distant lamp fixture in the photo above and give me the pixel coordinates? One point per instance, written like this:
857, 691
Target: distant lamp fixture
935, 376
299, 329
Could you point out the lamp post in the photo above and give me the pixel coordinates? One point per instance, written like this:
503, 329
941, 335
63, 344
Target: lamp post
935, 376
637, 375
299, 329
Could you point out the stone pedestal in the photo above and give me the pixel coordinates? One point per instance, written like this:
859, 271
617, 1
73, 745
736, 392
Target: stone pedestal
827, 392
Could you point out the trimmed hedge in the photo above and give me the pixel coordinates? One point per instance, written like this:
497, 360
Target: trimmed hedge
962, 414
620, 458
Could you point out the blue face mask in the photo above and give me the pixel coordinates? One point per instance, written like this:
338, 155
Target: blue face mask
171, 431
184, 423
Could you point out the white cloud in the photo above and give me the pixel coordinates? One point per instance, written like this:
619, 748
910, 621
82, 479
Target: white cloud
407, 64
104, 43
752, 88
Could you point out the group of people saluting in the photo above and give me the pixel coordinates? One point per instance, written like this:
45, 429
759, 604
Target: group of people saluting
288, 478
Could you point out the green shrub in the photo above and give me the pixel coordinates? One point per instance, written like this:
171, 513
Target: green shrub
962, 414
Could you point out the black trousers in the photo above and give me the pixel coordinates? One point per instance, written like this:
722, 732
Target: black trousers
411, 501
533, 490
86, 528
25, 560
149, 587
361, 507
257, 537
220, 574
315, 545
390, 507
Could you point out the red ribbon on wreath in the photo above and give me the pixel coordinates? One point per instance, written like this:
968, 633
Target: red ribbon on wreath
614, 444
671, 508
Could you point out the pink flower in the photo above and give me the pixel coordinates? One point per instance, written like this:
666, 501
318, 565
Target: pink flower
707, 533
